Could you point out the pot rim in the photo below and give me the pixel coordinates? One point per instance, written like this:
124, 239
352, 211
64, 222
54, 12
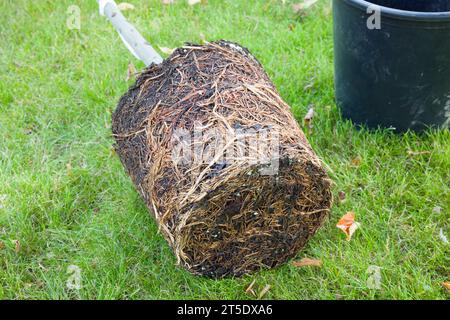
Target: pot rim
402, 14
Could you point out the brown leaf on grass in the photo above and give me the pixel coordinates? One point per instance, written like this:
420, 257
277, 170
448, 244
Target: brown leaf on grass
264, 291
307, 262
131, 71
125, 6
446, 285
356, 162
17, 246
348, 224
307, 120
2, 245
300, 7
250, 290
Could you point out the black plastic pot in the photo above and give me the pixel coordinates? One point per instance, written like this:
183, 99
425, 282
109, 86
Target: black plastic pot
399, 75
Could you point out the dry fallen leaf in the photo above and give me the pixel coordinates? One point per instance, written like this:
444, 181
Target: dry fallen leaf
192, 2
299, 7
356, 162
446, 285
131, 71
309, 117
348, 224
16, 246
125, 6
264, 291
166, 50
2, 245
307, 262
250, 290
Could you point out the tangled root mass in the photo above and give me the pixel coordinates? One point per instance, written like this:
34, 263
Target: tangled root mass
221, 208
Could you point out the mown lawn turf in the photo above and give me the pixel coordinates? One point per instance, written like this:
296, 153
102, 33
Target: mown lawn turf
66, 198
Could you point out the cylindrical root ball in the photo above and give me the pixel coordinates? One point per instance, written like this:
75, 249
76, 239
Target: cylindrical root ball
220, 161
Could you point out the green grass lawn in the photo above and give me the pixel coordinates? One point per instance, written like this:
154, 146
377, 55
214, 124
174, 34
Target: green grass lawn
66, 198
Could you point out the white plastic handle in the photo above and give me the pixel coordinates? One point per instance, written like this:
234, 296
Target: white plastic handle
132, 39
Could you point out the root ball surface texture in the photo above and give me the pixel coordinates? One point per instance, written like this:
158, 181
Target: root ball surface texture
220, 161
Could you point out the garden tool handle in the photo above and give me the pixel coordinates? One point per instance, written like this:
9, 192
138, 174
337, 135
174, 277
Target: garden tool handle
133, 40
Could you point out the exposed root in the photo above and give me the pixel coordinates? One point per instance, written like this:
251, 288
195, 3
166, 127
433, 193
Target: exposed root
220, 214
